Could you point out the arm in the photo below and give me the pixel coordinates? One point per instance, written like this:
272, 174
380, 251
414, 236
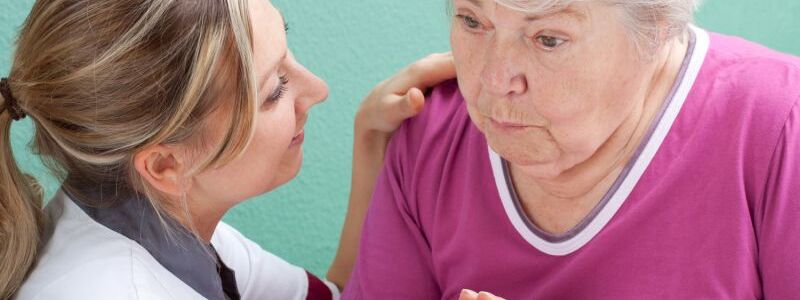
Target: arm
779, 228
380, 114
394, 259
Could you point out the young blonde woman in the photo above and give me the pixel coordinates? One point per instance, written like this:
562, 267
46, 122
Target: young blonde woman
159, 116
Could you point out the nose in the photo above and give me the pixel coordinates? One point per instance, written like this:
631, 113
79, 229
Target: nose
502, 70
311, 89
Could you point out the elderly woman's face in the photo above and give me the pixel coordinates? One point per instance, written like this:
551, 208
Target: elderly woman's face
546, 90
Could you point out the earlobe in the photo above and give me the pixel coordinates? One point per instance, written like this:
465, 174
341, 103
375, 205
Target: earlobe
162, 168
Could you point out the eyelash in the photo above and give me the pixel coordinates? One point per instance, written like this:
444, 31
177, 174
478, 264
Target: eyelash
280, 90
542, 40
468, 21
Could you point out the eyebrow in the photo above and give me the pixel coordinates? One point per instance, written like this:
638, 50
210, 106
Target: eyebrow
569, 11
264, 79
477, 3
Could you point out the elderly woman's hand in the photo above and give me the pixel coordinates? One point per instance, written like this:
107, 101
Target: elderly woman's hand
401, 96
472, 295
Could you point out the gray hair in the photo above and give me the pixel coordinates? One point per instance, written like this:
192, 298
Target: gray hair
650, 22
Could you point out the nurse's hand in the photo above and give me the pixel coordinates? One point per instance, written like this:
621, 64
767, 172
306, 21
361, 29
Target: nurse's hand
402, 95
472, 295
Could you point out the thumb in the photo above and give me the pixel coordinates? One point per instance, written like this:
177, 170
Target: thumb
415, 101
467, 294
488, 296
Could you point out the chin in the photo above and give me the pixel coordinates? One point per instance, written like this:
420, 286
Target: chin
288, 171
537, 151
537, 161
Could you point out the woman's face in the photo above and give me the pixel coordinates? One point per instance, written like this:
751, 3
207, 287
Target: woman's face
546, 90
287, 91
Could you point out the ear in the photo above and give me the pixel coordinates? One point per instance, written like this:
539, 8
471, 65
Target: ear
163, 168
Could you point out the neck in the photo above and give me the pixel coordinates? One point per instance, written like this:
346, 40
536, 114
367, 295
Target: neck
206, 223
200, 217
591, 178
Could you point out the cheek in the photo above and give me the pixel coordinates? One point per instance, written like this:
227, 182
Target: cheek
560, 97
255, 171
273, 134
579, 91
466, 51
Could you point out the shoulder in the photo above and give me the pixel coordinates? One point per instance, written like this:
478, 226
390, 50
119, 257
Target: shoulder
442, 125
84, 260
744, 103
122, 276
759, 82
747, 91
444, 106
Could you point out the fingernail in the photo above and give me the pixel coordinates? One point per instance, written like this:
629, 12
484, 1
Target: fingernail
468, 292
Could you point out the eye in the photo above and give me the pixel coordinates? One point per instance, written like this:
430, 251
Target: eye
277, 94
470, 22
550, 42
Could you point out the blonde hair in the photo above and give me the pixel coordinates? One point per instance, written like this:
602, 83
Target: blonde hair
103, 79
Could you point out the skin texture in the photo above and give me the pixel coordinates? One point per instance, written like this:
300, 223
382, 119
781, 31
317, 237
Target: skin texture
565, 97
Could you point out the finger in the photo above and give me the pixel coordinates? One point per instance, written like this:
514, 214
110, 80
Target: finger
403, 107
487, 296
468, 295
434, 70
415, 100
396, 109
427, 72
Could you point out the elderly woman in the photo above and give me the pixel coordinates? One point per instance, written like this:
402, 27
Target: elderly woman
592, 150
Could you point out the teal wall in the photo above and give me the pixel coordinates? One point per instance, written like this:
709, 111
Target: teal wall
353, 45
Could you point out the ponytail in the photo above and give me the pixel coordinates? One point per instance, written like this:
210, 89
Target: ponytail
20, 214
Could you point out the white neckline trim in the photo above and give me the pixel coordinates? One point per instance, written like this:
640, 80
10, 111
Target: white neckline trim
568, 246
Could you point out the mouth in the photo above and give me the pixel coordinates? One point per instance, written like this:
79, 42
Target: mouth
298, 138
508, 125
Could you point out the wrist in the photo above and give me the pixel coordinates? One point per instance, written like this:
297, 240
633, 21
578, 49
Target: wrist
363, 130
369, 138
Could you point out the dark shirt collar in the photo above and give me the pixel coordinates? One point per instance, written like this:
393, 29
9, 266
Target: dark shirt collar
172, 245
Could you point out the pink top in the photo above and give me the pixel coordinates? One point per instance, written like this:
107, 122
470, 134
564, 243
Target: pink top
708, 209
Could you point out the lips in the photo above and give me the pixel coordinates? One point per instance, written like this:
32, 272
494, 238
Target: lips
298, 138
507, 125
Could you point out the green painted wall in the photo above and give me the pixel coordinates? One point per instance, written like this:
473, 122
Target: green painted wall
353, 45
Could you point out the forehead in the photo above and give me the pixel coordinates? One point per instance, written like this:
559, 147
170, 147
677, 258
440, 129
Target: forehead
534, 9
269, 37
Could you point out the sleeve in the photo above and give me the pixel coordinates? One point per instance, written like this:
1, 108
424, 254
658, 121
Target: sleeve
779, 231
262, 275
394, 260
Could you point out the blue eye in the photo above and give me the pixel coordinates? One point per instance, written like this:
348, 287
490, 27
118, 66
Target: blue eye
470, 22
550, 42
